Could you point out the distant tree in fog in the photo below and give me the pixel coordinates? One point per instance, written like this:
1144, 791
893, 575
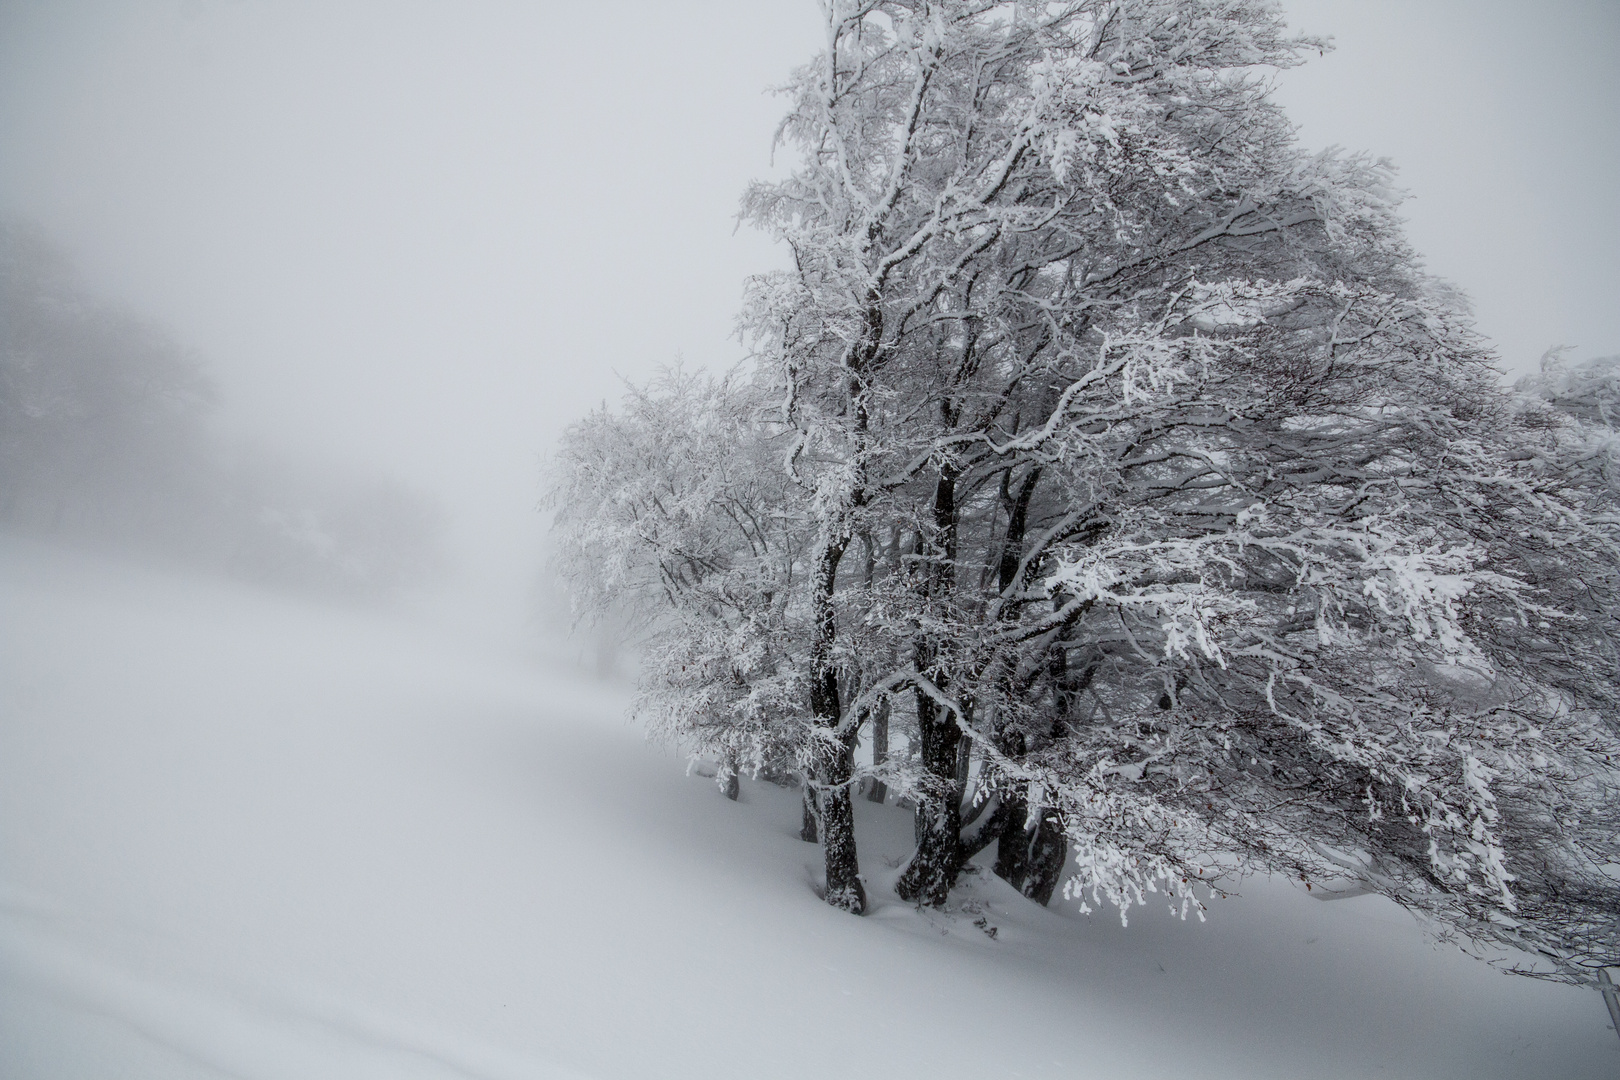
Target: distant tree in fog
104, 439
101, 413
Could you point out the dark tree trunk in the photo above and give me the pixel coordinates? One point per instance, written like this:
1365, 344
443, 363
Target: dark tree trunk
932, 871
1031, 859
989, 832
1012, 841
844, 888
729, 784
928, 878
1047, 855
879, 791
973, 807
810, 829
1012, 547
1049, 848
1012, 846
837, 815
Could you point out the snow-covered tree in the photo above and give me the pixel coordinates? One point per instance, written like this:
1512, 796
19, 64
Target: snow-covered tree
678, 508
1140, 472
1579, 408
101, 413
674, 510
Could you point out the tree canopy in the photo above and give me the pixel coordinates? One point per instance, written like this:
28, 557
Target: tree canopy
1121, 453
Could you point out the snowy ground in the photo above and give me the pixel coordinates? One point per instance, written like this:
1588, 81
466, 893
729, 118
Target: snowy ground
242, 836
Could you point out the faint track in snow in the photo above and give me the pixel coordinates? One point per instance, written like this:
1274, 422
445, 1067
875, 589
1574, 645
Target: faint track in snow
258, 1036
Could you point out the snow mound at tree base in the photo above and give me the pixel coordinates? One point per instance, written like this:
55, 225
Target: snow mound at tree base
245, 836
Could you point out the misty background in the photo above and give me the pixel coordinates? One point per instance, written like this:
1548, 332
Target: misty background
408, 243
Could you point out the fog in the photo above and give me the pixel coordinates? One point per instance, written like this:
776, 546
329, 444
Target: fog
416, 240
305, 292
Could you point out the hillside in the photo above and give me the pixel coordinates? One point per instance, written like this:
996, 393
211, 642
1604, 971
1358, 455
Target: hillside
245, 836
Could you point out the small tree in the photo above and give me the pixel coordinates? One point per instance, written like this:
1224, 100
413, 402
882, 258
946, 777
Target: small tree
679, 507
670, 508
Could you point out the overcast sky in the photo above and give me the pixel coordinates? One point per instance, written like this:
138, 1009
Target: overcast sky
420, 238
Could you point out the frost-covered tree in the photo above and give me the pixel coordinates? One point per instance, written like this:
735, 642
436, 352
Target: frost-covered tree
989, 194
675, 511
1579, 409
678, 510
1142, 475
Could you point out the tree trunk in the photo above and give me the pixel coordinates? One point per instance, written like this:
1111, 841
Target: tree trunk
879, 791
989, 832
1049, 848
727, 779
844, 888
928, 878
1012, 847
810, 830
932, 871
1048, 854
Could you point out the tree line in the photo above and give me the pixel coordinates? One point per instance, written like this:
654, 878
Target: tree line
1109, 469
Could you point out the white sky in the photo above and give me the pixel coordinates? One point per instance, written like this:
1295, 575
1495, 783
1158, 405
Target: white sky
420, 238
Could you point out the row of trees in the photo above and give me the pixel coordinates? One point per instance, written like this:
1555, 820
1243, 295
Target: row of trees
105, 439
1116, 458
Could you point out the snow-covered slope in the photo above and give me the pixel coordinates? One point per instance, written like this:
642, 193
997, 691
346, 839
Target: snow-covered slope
244, 837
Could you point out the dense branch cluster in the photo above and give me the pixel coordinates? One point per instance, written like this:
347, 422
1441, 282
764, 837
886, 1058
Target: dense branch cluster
1117, 456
